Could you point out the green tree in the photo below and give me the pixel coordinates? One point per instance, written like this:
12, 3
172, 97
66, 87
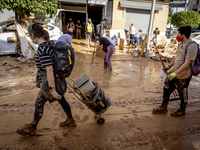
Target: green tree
21, 7
186, 18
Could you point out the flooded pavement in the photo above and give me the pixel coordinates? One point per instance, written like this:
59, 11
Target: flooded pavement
135, 84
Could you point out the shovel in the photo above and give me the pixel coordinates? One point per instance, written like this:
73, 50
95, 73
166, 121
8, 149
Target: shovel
95, 44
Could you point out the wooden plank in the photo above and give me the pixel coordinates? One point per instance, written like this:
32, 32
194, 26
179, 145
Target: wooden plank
121, 45
143, 45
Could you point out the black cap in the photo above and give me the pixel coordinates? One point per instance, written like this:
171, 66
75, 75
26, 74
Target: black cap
97, 34
70, 33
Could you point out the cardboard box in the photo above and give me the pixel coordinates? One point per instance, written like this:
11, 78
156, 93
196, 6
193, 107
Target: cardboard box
100, 53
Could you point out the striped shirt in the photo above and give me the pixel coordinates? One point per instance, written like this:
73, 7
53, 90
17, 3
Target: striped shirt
44, 57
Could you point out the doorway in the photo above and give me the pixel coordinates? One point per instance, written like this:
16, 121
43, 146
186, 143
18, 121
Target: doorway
95, 13
75, 17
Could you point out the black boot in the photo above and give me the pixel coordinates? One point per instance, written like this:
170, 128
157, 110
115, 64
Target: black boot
105, 65
161, 109
69, 122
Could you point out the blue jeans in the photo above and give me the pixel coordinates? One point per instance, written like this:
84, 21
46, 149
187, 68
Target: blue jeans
89, 36
137, 40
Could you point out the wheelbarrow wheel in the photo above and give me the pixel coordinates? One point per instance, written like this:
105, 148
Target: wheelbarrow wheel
100, 120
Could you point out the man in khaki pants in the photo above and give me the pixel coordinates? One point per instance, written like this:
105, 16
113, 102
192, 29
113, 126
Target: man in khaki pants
78, 29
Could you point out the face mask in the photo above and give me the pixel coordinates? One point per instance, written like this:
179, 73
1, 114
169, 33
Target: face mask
34, 41
178, 38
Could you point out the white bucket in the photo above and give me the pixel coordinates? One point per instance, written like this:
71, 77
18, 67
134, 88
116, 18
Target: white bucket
135, 54
84, 84
87, 87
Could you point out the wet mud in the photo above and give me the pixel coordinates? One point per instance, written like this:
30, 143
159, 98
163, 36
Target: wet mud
135, 84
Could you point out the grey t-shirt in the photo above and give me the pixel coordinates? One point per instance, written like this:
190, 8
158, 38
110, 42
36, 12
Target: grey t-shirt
102, 27
65, 38
180, 59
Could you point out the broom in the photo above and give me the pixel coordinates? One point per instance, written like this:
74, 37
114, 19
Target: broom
174, 95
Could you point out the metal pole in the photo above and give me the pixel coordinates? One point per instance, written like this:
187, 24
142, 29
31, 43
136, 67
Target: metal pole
150, 26
86, 20
170, 28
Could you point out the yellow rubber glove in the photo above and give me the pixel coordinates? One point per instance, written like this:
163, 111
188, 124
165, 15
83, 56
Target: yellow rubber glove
171, 76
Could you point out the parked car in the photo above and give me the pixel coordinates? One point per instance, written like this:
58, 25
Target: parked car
173, 30
10, 27
195, 37
195, 30
54, 32
7, 33
7, 48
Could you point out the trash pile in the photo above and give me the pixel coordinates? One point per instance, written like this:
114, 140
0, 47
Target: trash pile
167, 49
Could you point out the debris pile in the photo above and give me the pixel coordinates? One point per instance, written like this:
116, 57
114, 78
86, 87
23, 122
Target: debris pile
166, 49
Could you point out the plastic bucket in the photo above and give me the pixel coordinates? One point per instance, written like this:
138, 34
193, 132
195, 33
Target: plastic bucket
135, 54
84, 84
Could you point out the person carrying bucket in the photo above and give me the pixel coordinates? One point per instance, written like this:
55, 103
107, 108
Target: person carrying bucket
180, 73
53, 88
108, 47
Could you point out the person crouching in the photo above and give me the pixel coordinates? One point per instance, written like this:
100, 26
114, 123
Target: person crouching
108, 48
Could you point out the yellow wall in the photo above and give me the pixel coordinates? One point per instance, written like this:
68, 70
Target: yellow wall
118, 16
160, 18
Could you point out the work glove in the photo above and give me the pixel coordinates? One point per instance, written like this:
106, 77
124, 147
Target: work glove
171, 76
166, 68
55, 95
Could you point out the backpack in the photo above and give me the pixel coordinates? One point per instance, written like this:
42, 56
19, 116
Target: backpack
196, 67
89, 27
64, 59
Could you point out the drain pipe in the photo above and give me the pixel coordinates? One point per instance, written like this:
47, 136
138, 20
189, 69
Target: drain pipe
150, 26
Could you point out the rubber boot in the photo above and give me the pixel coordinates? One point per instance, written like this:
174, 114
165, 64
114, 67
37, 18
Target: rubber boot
27, 129
69, 122
109, 67
161, 109
105, 65
178, 113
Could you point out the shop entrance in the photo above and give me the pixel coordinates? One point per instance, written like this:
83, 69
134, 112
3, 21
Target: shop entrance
75, 17
95, 13
80, 12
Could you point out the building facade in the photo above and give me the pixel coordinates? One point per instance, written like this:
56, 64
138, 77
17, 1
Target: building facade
126, 12
194, 6
119, 13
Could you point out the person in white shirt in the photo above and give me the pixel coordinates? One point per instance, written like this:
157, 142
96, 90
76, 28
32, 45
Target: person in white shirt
132, 31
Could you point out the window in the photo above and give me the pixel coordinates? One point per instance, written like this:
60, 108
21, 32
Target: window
198, 38
50, 27
193, 35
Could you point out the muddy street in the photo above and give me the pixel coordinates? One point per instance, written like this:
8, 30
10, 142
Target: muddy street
135, 84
